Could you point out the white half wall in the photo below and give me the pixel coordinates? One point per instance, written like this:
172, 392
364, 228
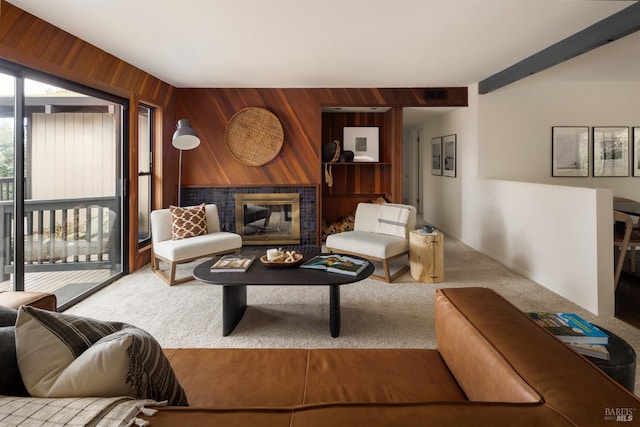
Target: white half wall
559, 236
551, 234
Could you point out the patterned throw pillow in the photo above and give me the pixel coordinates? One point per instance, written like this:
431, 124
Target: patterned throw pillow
188, 222
62, 355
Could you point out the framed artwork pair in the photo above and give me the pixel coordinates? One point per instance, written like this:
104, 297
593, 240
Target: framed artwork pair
606, 150
443, 155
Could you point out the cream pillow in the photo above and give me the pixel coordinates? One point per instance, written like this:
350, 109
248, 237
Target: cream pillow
62, 355
392, 220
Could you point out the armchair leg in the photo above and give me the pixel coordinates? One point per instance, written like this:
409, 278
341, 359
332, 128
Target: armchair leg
388, 277
619, 263
172, 273
170, 278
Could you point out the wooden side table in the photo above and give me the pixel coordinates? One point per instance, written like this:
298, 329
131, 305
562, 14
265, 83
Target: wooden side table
426, 256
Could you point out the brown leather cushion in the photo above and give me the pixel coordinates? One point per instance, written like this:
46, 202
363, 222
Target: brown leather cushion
240, 378
484, 374
379, 375
42, 300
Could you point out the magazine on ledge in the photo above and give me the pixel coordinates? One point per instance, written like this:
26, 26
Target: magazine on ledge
337, 264
570, 328
230, 263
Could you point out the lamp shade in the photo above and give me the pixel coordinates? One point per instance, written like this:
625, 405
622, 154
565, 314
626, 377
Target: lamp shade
185, 138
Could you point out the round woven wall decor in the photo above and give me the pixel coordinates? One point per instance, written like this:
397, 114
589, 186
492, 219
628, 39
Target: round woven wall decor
254, 136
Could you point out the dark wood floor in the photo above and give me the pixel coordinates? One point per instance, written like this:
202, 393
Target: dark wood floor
628, 297
628, 293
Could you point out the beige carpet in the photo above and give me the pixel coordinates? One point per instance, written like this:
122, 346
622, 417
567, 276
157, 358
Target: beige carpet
374, 314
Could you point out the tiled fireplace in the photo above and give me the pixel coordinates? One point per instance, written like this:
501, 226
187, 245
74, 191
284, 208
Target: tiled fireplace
224, 198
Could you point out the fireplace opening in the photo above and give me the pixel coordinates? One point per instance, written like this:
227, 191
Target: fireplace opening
268, 219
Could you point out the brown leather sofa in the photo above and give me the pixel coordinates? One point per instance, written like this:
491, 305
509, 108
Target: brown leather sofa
492, 366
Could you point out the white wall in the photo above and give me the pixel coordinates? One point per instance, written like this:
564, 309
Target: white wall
73, 155
516, 126
504, 202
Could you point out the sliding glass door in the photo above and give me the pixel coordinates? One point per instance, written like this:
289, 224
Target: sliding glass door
68, 155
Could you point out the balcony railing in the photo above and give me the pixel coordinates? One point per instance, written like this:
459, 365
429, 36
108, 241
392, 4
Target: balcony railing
69, 234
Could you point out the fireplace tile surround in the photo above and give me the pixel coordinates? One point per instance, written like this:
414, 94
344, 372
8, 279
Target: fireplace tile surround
224, 199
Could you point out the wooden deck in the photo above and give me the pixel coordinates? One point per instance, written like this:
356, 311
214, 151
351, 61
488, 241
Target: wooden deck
55, 281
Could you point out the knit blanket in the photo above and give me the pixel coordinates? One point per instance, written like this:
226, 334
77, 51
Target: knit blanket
71, 412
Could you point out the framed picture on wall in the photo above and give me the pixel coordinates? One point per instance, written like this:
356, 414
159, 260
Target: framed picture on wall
636, 151
570, 151
364, 141
449, 155
436, 156
611, 151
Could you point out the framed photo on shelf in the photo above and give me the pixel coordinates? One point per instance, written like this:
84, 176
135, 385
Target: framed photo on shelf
636, 151
570, 151
611, 151
449, 155
364, 141
436, 156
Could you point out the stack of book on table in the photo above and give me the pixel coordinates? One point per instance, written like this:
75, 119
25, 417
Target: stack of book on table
232, 263
577, 333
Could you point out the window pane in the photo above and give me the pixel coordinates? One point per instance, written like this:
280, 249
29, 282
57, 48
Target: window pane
7, 154
72, 145
145, 123
144, 139
144, 203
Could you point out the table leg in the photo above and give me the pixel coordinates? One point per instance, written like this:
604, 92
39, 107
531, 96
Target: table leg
334, 310
234, 304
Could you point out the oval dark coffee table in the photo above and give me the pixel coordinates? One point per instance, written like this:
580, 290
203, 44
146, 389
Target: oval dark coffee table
234, 287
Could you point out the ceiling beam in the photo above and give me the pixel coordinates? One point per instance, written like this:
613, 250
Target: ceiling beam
614, 27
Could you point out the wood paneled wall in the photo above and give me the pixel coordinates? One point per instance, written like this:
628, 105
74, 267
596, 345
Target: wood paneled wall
29, 41
211, 164
32, 42
300, 112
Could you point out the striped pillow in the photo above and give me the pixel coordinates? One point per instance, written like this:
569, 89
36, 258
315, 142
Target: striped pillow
62, 355
188, 222
392, 220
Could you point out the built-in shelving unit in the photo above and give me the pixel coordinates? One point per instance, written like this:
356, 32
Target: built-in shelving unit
355, 182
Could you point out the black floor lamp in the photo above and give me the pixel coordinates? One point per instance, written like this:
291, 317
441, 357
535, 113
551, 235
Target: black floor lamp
184, 138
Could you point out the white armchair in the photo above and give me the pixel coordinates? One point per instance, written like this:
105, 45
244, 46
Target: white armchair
380, 233
175, 252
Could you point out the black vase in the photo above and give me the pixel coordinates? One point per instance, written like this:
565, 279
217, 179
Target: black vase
328, 151
347, 156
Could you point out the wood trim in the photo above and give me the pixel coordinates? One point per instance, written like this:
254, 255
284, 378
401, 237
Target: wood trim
34, 43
